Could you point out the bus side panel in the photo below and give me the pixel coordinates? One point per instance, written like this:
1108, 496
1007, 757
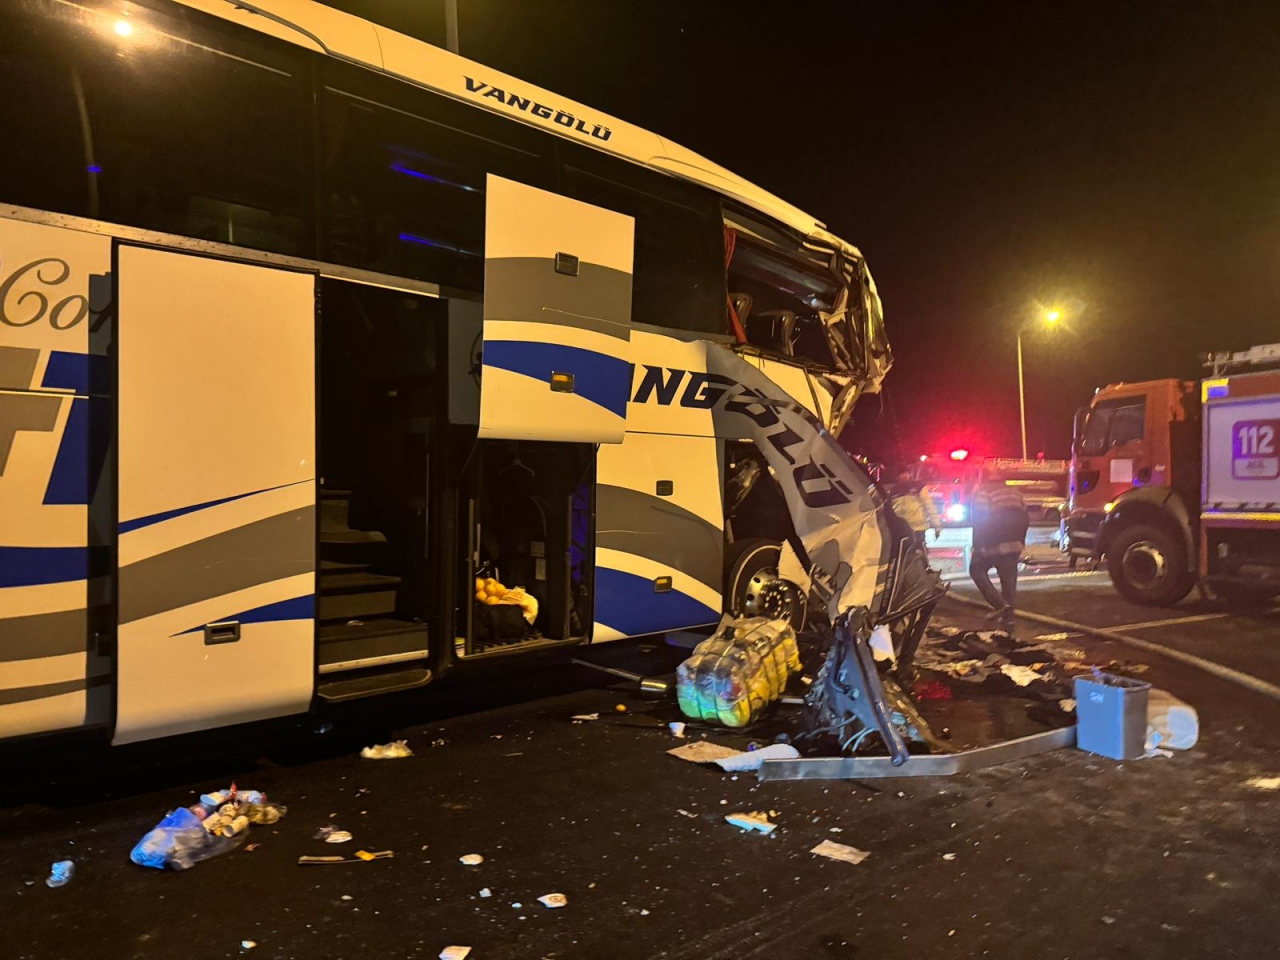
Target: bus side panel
54, 423
217, 493
659, 535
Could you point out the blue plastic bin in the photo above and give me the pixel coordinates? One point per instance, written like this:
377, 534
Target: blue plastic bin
1111, 716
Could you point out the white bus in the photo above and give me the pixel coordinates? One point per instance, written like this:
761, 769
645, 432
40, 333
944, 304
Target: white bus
305, 325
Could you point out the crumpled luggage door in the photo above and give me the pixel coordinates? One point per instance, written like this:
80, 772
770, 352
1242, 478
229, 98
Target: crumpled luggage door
556, 360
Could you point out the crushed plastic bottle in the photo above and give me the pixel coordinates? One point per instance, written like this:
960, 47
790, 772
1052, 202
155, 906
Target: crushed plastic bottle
733, 675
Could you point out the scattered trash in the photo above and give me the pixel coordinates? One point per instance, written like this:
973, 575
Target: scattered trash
621, 708
472, 859
1170, 722
948, 856
218, 823
248, 944
677, 729
250, 847
345, 896
1019, 674
1108, 920
752, 759
338, 836
703, 751
455, 953
686, 813
485, 893
840, 851
60, 873
360, 857
734, 674
1150, 752
553, 901
1264, 783
754, 820
1068, 705
517, 905
585, 717
644, 913
387, 751
836, 830
881, 643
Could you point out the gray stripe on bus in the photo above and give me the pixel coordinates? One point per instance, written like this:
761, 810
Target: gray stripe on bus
45, 690
24, 411
657, 529
530, 290
18, 366
44, 635
259, 552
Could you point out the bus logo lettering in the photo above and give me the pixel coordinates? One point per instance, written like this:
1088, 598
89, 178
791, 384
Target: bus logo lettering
19, 311
562, 117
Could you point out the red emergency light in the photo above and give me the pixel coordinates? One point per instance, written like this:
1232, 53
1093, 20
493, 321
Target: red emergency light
960, 454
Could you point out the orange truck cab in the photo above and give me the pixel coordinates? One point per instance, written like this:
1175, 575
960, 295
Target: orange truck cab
1175, 482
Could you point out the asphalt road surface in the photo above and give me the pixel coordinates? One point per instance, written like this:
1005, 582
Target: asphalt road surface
1064, 855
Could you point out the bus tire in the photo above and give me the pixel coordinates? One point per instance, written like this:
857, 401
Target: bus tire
752, 586
1148, 565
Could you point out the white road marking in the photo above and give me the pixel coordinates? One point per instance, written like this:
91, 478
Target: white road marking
1197, 618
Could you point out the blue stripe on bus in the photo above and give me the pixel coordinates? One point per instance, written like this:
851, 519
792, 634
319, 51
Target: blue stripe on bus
81, 452
598, 377
31, 566
628, 604
75, 371
130, 525
299, 608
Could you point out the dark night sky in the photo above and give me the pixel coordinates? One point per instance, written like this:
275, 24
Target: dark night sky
1119, 158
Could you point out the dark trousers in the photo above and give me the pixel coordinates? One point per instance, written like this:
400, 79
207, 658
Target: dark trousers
1006, 566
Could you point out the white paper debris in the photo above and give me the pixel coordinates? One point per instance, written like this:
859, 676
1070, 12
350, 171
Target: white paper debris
948, 856
840, 851
387, 751
677, 729
881, 643
1019, 674
486, 893
455, 953
751, 759
702, 751
1264, 783
553, 901
337, 836
584, 717
472, 859
753, 820
248, 944
686, 813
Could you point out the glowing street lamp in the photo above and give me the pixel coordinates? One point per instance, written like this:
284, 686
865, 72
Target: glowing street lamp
1051, 317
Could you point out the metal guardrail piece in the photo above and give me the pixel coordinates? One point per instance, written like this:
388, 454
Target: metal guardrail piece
939, 765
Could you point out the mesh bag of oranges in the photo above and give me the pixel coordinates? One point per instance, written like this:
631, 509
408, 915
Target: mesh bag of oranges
491, 593
738, 671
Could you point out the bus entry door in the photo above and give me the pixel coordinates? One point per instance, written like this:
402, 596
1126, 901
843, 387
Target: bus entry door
216, 492
556, 362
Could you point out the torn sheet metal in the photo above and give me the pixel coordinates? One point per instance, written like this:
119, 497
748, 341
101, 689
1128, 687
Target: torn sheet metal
833, 504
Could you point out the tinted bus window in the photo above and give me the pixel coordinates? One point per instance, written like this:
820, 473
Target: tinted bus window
43, 162
172, 121
403, 176
679, 241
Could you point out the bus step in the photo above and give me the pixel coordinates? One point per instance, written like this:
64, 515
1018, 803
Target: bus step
361, 644
356, 595
372, 683
335, 566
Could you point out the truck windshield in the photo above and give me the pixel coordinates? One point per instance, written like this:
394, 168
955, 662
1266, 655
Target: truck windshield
1113, 422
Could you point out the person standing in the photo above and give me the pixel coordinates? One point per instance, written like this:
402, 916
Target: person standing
999, 538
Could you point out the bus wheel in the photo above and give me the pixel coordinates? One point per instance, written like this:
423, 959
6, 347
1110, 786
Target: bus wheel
1149, 566
753, 587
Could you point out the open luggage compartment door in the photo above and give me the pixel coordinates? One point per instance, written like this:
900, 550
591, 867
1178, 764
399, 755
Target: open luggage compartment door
216, 486
557, 317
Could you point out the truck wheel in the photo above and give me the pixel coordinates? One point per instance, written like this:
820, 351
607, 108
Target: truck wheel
1149, 566
753, 587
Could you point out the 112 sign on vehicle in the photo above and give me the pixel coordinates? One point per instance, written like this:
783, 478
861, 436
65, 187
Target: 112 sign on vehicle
1254, 454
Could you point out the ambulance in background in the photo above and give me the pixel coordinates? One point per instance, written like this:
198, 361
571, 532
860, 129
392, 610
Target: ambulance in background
1174, 483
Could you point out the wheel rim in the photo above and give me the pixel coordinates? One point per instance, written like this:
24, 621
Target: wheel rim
768, 595
1145, 565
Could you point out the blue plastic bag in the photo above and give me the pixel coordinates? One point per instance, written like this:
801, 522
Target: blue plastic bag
180, 841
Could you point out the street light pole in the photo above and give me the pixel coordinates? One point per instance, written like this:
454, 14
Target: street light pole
1022, 399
